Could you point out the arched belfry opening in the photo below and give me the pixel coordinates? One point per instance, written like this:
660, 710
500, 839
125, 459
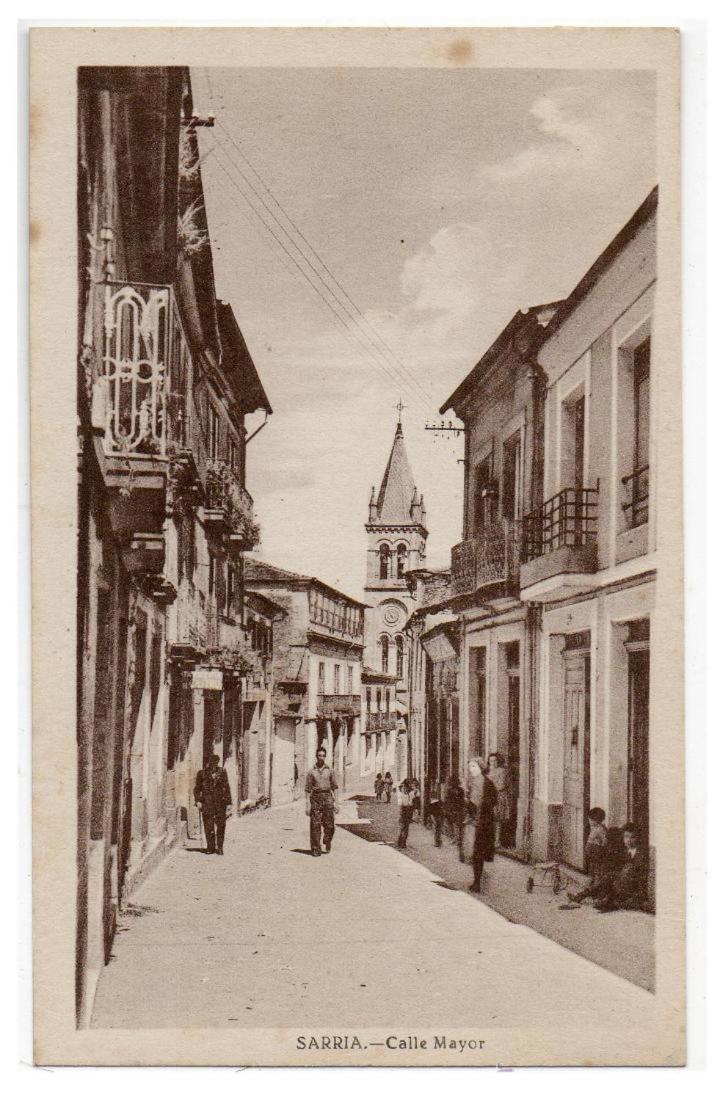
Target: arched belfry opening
396, 536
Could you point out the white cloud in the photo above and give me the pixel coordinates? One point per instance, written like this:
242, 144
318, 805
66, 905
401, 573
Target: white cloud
579, 133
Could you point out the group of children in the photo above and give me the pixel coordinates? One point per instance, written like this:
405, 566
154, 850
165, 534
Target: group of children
384, 788
615, 860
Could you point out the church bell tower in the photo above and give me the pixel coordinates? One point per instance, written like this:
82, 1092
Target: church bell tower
396, 537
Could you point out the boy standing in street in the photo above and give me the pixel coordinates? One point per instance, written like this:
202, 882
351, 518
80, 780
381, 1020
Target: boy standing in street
321, 802
405, 800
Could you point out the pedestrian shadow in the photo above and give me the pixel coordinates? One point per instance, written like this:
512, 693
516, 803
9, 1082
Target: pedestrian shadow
195, 849
303, 852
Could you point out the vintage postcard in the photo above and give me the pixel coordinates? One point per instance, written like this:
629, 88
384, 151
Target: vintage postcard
357, 547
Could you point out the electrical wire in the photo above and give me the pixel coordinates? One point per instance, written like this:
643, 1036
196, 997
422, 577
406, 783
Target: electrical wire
381, 342
354, 312
368, 349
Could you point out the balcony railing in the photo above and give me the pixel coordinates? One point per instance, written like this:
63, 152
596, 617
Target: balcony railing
332, 706
569, 519
130, 386
491, 558
226, 497
380, 720
637, 491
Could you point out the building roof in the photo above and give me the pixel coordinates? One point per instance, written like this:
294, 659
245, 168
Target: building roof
546, 319
238, 363
263, 604
534, 320
398, 492
263, 573
621, 240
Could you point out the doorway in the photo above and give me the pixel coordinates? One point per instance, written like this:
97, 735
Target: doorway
639, 738
513, 742
576, 733
212, 725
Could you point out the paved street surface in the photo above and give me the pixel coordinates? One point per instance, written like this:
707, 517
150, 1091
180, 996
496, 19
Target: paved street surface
622, 941
268, 935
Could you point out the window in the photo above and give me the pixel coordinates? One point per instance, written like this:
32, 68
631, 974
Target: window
640, 476
211, 575
385, 653
387, 701
336, 680
579, 442
230, 591
213, 432
368, 699
512, 479
232, 453
481, 731
400, 657
350, 679
321, 678
484, 503
401, 559
384, 561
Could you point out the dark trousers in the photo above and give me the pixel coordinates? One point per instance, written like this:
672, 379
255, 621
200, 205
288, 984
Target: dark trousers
406, 816
322, 819
214, 823
436, 816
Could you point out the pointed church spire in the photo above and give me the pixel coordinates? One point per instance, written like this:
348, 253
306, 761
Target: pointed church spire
397, 490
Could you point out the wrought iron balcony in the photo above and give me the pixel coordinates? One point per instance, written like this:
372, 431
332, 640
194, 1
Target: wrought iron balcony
569, 519
637, 491
377, 721
490, 560
228, 504
337, 706
129, 387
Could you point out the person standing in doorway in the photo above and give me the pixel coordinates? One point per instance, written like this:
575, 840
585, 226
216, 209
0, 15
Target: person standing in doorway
497, 774
212, 795
321, 802
484, 798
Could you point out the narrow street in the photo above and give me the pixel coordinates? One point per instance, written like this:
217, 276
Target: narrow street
268, 936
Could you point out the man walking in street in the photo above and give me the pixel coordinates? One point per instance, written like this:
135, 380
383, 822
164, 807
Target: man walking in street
212, 795
321, 802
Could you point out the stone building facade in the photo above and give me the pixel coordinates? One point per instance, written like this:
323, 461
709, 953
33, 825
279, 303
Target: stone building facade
317, 671
554, 582
165, 383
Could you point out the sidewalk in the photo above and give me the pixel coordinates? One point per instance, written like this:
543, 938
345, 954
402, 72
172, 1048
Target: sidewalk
622, 942
268, 937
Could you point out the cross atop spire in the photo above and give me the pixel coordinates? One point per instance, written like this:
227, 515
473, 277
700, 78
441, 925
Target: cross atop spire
400, 408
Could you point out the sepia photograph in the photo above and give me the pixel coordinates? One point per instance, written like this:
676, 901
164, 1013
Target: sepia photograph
368, 535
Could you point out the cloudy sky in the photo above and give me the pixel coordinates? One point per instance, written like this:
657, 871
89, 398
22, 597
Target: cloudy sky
442, 201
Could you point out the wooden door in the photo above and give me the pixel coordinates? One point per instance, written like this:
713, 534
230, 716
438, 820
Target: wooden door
576, 785
513, 756
638, 739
